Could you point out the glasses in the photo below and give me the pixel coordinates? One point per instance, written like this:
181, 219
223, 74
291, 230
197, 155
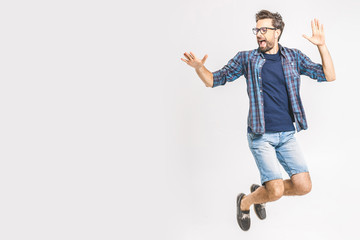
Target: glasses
263, 30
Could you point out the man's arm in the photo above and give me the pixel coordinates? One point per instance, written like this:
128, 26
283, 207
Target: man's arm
205, 75
230, 72
318, 38
327, 63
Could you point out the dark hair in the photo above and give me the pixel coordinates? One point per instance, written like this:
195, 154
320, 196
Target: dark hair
277, 21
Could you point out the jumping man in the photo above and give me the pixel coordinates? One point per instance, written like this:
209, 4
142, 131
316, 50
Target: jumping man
272, 74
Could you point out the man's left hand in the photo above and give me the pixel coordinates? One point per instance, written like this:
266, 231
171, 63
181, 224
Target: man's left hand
318, 35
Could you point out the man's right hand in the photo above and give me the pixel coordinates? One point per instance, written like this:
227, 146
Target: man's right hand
205, 75
193, 61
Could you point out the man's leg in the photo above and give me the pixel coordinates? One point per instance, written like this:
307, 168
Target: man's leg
299, 184
272, 191
263, 150
293, 161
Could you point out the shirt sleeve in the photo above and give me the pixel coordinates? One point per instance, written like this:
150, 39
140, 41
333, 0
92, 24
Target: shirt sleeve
310, 69
230, 72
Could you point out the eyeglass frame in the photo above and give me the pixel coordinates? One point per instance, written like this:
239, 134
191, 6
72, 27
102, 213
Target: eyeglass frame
261, 31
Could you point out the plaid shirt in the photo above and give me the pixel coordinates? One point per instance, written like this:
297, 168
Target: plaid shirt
250, 63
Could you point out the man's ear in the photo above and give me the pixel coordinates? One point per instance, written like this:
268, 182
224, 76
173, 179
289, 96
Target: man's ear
277, 33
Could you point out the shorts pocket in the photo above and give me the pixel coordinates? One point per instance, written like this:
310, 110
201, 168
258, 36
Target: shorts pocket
254, 136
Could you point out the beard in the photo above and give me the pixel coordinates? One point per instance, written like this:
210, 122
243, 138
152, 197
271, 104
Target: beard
269, 45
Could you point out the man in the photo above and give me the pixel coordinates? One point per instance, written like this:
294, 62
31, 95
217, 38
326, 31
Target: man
272, 74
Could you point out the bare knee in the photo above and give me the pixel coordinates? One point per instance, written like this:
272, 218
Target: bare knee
302, 183
276, 193
275, 190
303, 188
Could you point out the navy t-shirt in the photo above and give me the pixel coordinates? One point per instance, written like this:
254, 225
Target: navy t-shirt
277, 107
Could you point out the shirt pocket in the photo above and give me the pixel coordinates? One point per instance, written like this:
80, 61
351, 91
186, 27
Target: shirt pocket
292, 74
292, 69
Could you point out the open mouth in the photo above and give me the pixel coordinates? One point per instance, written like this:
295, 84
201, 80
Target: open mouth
262, 43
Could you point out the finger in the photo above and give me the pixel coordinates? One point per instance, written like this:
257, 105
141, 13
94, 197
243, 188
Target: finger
184, 60
306, 37
204, 58
316, 25
319, 25
187, 56
322, 27
193, 55
312, 26
318, 28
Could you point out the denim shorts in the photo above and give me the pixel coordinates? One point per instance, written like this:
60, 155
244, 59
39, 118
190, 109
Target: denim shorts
270, 149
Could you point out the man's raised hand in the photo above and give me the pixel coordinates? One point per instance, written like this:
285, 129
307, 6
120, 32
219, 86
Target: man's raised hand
193, 61
318, 35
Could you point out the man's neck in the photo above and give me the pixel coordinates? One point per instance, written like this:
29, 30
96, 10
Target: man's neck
274, 50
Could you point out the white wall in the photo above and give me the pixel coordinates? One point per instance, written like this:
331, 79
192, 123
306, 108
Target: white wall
106, 134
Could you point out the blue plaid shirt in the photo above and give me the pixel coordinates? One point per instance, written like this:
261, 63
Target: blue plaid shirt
250, 63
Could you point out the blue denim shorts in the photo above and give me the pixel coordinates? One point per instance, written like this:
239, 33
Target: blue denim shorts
270, 149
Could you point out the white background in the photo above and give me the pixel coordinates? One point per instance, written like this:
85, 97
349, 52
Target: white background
106, 134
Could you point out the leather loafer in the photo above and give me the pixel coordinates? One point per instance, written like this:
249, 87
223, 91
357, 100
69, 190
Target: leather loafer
243, 217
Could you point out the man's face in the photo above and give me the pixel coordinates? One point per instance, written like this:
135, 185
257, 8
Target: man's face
268, 40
